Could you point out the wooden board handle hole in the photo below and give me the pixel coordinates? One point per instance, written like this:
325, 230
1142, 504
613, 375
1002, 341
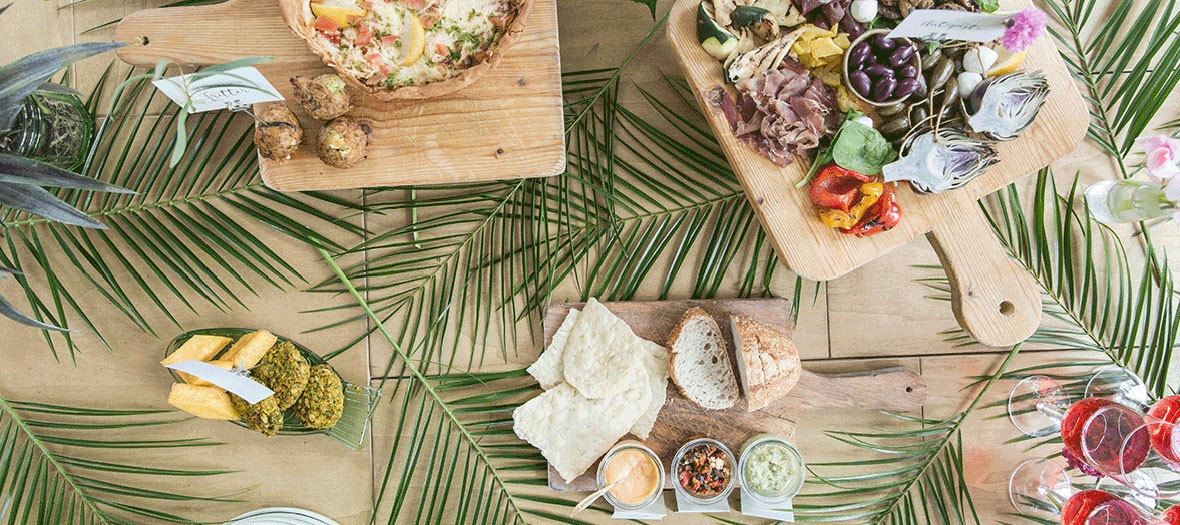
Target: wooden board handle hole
1007, 308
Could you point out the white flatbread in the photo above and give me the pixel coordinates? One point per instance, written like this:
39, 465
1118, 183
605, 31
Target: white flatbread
602, 353
547, 370
571, 431
655, 364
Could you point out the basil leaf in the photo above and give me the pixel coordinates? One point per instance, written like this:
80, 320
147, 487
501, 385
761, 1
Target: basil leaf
989, 6
861, 149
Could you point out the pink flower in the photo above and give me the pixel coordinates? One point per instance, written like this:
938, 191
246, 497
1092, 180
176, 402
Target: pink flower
1163, 153
1024, 28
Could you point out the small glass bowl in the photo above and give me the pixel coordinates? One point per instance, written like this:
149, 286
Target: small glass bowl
661, 476
762, 440
729, 458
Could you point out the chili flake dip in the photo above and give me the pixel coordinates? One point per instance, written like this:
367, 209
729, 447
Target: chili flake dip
704, 469
771, 468
634, 474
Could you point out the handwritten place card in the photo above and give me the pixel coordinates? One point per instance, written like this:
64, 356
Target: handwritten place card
939, 24
246, 388
684, 505
231, 89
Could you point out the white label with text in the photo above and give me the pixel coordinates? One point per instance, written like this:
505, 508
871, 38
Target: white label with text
231, 89
939, 24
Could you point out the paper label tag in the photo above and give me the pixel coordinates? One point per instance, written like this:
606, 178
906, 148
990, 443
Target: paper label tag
250, 390
940, 24
778, 511
231, 89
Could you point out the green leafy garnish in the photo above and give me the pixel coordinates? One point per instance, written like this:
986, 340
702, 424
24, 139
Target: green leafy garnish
989, 6
855, 147
861, 149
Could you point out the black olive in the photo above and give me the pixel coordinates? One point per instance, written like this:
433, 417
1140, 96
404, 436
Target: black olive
883, 88
906, 87
859, 80
901, 55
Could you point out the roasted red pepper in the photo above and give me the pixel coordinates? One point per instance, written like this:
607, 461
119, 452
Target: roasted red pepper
837, 188
881, 217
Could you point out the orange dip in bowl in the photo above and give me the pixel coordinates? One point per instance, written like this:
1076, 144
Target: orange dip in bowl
637, 475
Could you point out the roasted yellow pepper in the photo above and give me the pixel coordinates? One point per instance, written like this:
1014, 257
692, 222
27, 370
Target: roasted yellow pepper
870, 192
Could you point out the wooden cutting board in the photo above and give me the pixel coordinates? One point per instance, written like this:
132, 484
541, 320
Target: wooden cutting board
895, 389
508, 124
993, 297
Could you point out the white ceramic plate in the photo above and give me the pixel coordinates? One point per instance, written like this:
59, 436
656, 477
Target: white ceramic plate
282, 516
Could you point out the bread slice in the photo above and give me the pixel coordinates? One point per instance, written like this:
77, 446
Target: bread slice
700, 362
768, 362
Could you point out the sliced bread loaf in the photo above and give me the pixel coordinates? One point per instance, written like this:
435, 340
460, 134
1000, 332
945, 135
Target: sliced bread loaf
767, 361
700, 364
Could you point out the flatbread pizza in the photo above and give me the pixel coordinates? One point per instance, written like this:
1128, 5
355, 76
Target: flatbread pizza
408, 49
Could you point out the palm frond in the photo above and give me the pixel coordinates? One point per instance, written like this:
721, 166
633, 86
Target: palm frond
453, 436
914, 475
1095, 297
51, 476
1125, 56
181, 237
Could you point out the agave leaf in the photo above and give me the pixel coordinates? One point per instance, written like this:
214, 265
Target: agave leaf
36, 200
10, 311
21, 170
22, 77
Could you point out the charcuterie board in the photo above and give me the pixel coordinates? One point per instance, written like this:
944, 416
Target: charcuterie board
895, 389
993, 297
508, 124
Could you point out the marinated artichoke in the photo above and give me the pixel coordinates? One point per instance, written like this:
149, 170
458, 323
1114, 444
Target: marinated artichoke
324, 97
342, 143
322, 402
264, 416
277, 132
284, 370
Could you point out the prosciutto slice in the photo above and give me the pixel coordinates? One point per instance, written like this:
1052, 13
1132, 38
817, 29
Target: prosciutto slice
782, 113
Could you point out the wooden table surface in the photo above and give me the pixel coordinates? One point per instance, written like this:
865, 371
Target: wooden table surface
877, 316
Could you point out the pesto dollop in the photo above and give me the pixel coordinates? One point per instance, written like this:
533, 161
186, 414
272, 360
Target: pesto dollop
771, 469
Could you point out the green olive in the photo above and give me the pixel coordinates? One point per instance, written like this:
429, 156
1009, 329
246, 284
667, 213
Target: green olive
896, 127
941, 74
891, 110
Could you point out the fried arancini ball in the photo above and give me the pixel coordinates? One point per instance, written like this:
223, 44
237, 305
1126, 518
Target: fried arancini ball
277, 132
342, 143
322, 402
284, 370
324, 97
264, 416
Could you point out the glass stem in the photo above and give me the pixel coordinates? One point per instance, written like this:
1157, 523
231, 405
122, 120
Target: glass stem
1049, 409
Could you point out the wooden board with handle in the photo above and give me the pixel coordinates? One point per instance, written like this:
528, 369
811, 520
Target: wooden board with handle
994, 298
508, 124
895, 389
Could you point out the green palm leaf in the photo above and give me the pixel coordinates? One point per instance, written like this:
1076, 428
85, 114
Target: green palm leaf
453, 436
912, 475
49, 473
1095, 297
1125, 58
188, 232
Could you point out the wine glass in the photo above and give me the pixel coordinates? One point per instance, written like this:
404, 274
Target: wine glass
1041, 488
1104, 434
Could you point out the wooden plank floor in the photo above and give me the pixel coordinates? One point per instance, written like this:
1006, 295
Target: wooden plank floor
876, 316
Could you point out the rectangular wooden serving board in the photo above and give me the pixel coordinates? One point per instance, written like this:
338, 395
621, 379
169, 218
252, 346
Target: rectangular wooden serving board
895, 389
820, 253
506, 125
